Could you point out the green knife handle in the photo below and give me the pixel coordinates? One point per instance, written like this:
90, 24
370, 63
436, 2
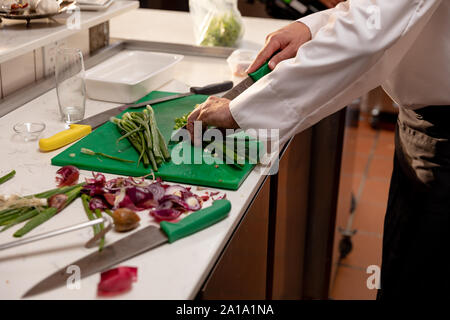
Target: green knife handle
261, 72
197, 220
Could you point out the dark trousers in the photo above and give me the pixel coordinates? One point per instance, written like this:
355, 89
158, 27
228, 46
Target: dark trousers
416, 240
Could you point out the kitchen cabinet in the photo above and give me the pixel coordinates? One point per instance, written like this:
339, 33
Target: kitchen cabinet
288, 220
241, 270
283, 247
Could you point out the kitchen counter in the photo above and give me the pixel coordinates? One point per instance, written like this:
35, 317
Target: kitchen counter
176, 27
16, 39
175, 271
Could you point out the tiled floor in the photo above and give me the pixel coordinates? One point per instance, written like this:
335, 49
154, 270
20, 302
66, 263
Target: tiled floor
372, 168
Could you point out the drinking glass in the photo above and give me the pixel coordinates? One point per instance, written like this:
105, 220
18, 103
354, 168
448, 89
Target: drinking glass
70, 84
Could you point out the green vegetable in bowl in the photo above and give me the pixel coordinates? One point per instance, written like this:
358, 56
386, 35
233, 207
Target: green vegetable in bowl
223, 31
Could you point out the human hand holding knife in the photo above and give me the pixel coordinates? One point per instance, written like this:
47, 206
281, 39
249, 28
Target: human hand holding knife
216, 111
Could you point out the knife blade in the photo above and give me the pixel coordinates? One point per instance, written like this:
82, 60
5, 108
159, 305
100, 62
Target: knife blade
248, 82
84, 127
137, 243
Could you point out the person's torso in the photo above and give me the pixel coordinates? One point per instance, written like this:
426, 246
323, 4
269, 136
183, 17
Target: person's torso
423, 76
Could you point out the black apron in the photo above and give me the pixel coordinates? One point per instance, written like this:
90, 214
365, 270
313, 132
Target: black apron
416, 240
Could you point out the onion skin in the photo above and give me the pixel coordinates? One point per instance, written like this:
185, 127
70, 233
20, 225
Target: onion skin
67, 176
97, 203
125, 220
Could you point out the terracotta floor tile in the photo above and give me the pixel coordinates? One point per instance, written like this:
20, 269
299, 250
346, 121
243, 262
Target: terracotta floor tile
385, 148
360, 163
365, 129
366, 251
387, 135
348, 163
357, 179
380, 167
364, 144
351, 284
369, 217
375, 191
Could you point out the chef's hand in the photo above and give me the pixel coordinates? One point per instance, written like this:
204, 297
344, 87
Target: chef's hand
287, 40
331, 3
213, 112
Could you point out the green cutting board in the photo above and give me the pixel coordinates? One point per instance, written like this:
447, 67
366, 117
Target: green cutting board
103, 139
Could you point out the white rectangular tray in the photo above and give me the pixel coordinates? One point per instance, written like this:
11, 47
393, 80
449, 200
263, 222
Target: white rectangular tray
95, 7
130, 75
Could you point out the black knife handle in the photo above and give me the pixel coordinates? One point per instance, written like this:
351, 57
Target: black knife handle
213, 88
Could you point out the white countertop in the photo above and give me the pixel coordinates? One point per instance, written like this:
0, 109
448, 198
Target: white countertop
17, 39
176, 27
174, 271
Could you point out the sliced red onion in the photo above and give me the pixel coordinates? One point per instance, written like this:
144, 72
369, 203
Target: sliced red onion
176, 190
223, 196
193, 203
138, 194
176, 201
116, 281
148, 204
67, 176
127, 203
157, 190
165, 214
110, 198
97, 203
93, 190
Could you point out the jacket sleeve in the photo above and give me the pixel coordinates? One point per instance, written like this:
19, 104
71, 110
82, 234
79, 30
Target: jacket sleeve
354, 48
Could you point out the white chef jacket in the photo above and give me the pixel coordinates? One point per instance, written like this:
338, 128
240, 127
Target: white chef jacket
407, 52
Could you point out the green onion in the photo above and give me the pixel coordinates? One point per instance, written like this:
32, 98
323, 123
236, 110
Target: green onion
91, 216
47, 213
93, 153
141, 130
23, 217
7, 176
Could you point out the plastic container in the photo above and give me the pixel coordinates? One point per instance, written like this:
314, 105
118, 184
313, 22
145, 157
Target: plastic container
130, 75
240, 60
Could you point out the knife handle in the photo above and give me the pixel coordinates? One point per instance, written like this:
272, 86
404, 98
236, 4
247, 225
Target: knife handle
213, 88
197, 220
75, 132
261, 72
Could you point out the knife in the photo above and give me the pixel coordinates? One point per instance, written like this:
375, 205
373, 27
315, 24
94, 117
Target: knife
84, 127
137, 243
248, 81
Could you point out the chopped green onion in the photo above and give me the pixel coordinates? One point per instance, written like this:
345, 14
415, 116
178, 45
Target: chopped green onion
93, 153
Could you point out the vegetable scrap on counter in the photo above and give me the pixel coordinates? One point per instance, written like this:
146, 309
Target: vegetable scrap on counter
40, 207
164, 202
7, 177
116, 281
67, 176
94, 153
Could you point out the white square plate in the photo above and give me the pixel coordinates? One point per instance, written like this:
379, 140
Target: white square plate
130, 75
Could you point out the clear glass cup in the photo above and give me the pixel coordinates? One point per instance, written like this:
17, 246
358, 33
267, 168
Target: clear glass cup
70, 84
